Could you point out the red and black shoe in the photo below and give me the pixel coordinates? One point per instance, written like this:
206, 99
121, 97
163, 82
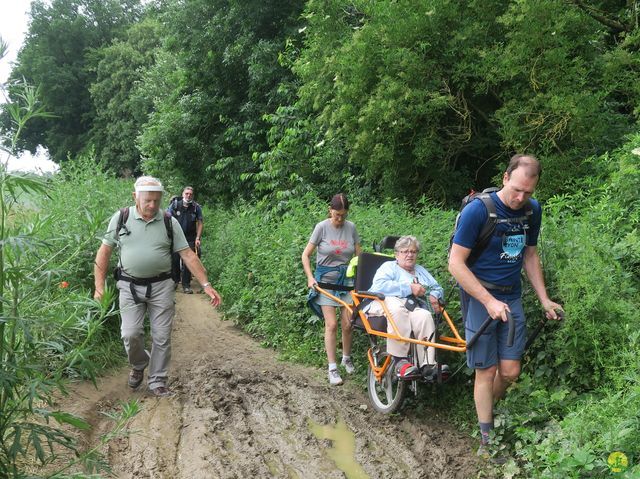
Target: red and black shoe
406, 371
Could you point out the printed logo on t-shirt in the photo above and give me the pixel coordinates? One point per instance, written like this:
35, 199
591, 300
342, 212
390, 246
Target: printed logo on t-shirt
339, 245
513, 243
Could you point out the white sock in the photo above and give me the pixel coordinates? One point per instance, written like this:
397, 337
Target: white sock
344, 358
332, 366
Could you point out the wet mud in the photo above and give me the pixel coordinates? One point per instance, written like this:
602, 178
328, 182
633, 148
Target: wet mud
240, 412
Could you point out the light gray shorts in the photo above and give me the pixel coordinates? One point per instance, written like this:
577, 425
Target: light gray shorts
323, 300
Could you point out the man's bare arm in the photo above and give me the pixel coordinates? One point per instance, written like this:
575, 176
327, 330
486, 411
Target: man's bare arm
197, 270
100, 269
533, 268
468, 281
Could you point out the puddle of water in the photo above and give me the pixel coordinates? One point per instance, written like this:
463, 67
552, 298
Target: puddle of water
343, 447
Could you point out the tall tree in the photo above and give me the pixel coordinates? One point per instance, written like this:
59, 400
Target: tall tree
566, 74
211, 122
121, 105
433, 97
390, 86
57, 57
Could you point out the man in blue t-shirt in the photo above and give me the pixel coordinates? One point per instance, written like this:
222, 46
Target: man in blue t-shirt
189, 215
490, 286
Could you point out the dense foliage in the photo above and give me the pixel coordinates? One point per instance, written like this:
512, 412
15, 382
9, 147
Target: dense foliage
269, 108
49, 328
209, 123
578, 374
255, 100
57, 57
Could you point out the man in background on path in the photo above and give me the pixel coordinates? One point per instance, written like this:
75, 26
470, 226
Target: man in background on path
490, 283
147, 237
189, 215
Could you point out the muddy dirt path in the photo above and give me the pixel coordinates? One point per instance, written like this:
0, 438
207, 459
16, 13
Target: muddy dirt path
239, 412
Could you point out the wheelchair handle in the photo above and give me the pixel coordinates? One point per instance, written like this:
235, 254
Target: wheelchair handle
479, 332
512, 329
485, 325
536, 332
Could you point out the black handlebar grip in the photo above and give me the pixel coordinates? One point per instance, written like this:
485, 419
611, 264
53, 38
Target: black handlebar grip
480, 331
535, 333
512, 329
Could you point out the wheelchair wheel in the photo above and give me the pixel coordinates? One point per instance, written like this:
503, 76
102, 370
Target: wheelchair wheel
387, 395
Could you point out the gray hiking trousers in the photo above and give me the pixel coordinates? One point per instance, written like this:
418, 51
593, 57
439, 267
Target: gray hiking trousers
160, 307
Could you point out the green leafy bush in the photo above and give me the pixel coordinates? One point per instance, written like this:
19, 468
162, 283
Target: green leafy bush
579, 373
50, 328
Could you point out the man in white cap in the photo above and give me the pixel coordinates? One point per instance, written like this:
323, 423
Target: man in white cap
146, 237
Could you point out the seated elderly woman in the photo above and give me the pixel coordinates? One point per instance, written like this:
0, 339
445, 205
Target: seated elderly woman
405, 285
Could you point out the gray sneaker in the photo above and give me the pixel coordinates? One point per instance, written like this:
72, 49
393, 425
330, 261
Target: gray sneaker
348, 365
162, 392
486, 452
135, 378
334, 377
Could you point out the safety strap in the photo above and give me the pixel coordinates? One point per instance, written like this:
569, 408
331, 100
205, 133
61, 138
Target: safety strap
141, 282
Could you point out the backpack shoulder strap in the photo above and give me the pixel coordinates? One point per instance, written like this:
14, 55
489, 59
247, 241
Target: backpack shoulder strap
122, 219
528, 213
490, 225
168, 224
528, 209
487, 230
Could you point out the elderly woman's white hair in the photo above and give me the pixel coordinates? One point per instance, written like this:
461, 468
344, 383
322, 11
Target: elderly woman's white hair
405, 242
148, 183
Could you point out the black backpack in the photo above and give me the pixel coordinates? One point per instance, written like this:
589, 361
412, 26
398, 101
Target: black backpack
177, 202
124, 216
489, 226
173, 202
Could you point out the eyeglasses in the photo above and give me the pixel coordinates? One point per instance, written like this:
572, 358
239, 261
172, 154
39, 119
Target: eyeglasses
406, 252
340, 216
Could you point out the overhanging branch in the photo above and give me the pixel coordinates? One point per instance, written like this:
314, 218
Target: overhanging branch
615, 25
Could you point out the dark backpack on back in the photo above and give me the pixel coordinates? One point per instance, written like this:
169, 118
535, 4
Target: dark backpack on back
489, 226
173, 202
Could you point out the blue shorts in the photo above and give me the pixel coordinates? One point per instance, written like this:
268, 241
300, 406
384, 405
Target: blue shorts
491, 346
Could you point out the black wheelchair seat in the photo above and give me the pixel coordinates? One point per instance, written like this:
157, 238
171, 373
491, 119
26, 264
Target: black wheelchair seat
377, 323
368, 264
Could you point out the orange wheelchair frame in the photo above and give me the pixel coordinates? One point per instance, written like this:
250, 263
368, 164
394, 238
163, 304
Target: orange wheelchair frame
386, 390
455, 343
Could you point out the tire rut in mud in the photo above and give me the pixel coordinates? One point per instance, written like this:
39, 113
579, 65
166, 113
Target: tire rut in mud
239, 412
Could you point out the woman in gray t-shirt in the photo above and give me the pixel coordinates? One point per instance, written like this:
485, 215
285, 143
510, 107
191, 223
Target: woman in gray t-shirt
337, 241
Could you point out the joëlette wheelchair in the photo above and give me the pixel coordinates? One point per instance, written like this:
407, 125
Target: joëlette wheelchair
386, 390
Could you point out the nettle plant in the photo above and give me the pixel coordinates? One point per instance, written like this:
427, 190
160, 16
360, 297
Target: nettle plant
36, 352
